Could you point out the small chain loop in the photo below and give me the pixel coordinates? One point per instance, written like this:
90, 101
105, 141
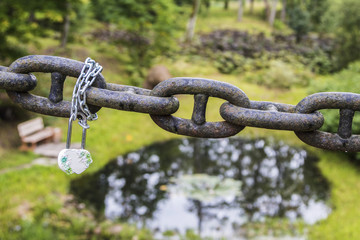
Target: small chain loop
89, 72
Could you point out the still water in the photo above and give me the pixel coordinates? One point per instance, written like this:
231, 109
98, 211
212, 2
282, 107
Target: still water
210, 185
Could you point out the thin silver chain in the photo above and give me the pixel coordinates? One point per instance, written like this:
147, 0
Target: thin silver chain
79, 108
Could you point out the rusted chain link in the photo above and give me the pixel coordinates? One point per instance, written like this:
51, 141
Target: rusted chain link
238, 112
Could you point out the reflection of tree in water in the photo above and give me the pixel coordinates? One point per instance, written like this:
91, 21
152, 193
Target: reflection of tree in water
276, 179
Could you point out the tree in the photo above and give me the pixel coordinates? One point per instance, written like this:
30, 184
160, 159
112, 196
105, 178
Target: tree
146, 29
299, 21
226, 4
23, 20
283, 11
14, 19
348, 32
192, 21
267, 9
252, 7
317, 10
66, 24
207, 4
240, 11
273, 13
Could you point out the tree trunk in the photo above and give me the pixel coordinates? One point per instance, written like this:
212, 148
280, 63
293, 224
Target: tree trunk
32, 16
208, 4
192, 21
267, 9
65, 33
283, 11
240, 11
251, 7
226, 4
273, 13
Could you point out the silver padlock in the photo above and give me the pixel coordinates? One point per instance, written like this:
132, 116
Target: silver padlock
75, 160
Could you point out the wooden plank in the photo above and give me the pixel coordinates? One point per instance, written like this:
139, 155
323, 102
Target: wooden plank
39, 136
30, 127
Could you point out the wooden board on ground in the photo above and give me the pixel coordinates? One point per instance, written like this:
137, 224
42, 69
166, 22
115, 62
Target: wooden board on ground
53, 149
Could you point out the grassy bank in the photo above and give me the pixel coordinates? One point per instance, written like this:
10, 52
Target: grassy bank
343, 222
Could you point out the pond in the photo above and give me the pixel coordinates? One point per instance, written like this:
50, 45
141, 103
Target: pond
213, 186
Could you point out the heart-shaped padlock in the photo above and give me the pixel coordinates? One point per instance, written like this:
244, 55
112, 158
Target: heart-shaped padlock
74, 160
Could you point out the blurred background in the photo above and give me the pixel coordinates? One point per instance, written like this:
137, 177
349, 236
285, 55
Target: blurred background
146, 183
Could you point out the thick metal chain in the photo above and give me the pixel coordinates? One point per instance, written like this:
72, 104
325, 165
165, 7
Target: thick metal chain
238, 112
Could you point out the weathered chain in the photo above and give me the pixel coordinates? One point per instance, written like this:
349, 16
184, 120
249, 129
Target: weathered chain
238, 112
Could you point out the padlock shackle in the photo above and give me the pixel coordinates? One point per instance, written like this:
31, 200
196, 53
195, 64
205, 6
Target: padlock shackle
83, 124
68, 138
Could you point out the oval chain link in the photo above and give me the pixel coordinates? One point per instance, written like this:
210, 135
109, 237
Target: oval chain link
267, 115
348, 103
60, 68
202, 89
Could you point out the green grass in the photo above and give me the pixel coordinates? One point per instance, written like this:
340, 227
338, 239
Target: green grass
11, 159
343, 222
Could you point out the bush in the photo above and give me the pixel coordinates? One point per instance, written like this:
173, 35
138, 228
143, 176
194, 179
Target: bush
299, 21
230, 49
345, 81
146, 28
320, 63
279, 25
348, 34
228, 62
280, 74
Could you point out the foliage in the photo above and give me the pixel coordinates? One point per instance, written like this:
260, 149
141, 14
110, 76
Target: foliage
236, 51
255, 45
343, 21
228, 62
279, 26
299, 21
317, 9
348, 34
321, 63
13, 23
304, 16
279, 75
183, 2
236, 41
71, 220
21, 21
275, 227
151, 23
345, 81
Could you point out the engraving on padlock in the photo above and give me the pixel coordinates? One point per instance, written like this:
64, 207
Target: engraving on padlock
75, 160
